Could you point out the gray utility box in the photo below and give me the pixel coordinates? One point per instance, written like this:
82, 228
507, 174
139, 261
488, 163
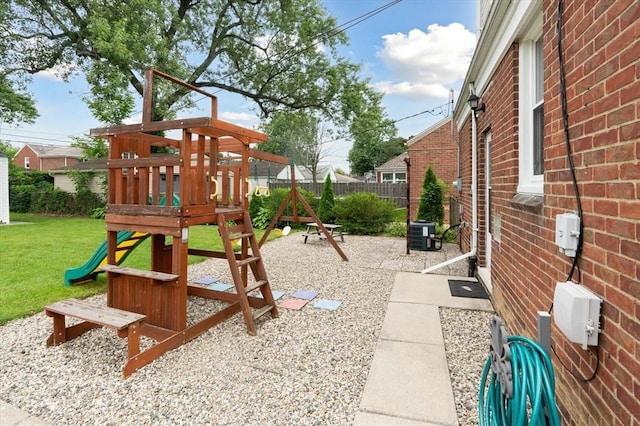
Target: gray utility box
422, 236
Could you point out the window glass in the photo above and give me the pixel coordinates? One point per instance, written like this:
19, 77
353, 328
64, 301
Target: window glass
538, 110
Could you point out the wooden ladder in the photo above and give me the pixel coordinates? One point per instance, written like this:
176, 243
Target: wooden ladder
236, 225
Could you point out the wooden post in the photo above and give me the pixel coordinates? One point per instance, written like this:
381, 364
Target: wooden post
408, 162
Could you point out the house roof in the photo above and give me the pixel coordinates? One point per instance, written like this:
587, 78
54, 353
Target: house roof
396, 163
49, 151
429, 130
63, 151
345, 179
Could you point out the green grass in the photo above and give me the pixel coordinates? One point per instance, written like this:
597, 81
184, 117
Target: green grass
33, 259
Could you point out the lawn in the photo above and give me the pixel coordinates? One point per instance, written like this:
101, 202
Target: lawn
34, 256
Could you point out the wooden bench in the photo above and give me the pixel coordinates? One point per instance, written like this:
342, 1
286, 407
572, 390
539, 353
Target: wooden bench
152, 275
126, 324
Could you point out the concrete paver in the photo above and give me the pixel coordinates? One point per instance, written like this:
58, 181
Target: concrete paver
12, 416
409, 382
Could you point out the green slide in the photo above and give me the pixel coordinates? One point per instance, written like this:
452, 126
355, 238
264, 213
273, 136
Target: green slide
127, 241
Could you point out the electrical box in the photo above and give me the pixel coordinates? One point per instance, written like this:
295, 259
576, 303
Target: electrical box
576, 312
567, 233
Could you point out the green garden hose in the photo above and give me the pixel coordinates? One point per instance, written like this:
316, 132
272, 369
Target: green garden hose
523, 393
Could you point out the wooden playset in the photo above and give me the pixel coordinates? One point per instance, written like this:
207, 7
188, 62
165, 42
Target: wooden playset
209, 189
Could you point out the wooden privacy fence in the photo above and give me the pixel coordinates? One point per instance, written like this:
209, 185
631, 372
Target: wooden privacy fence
394, 192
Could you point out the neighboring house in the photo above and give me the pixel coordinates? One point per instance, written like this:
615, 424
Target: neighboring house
393, 171
304, 174
517, 177
46, 157
4, 188
435, 147
263, 172
98, 167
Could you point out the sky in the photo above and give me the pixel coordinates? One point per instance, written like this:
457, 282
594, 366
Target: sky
415, 52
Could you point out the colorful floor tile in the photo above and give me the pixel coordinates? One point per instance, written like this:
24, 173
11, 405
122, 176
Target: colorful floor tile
221, 287
276, 294
206, 280
331, 305
305, 294
293, 304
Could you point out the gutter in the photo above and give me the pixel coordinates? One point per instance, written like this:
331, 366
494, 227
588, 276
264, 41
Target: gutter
474, 198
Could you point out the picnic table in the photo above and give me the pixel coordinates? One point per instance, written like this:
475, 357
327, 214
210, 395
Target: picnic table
314, 230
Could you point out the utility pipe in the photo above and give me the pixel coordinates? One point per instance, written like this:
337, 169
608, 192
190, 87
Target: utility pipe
474, 198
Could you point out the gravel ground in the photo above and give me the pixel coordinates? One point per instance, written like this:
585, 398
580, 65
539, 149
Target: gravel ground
306, 367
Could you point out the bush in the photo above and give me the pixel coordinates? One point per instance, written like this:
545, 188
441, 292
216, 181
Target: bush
255, 205
99, 212
269, 206
52, 201
85, 202
20, 198
396, 229
363, 213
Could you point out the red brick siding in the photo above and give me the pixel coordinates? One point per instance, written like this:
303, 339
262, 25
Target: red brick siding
439, 150
54, 163
600, 43
43, 164
34, 163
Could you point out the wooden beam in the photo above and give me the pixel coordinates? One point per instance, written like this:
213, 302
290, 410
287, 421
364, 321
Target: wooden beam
153, 126
267, 156
219, 128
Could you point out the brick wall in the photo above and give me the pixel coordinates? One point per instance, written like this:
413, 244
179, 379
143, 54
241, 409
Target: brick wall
439, 150
34, 163
54, 163
601, 45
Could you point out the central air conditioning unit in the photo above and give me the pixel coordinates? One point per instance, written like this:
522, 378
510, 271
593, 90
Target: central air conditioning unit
422, 236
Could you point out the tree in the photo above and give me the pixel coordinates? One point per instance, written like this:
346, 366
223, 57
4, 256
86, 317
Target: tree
9, 150
91, 147
278, 54
15, 104
431, 208
369, 127
325, 206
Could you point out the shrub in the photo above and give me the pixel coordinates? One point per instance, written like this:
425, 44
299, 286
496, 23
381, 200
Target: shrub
52, 201
431, 208
396, 229
363, 213
20, 198
255, 205
85, 202
270, 205
325, 206
99, 212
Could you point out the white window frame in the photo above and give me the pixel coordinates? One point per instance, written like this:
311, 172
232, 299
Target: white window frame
528, 182
393, 177
27, 162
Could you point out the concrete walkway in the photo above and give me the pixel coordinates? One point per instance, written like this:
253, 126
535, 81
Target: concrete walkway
11, 416
409, 383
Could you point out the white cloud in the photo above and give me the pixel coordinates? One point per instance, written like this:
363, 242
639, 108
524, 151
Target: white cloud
242, 117
60, 72
134, 119
426, 64
412, 90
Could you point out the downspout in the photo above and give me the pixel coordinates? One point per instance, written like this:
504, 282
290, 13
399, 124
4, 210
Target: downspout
474, 199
